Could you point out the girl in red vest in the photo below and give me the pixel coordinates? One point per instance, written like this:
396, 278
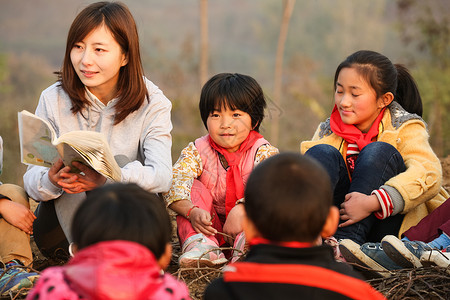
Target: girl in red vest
210, 175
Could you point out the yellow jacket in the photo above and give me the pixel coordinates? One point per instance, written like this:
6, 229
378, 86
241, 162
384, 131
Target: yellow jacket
421, 184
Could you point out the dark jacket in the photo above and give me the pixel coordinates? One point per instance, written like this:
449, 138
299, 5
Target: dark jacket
276, 272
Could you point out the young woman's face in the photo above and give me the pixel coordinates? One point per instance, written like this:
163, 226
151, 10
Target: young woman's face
97, 60
356, 100
229, 128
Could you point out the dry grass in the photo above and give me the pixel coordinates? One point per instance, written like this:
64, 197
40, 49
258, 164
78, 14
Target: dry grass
421, 283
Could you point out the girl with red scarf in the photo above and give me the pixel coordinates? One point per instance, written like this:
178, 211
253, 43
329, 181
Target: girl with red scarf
385, 175
210, 175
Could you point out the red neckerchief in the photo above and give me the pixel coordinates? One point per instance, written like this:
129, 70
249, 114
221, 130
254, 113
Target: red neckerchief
235, 184
293, 244
352, 134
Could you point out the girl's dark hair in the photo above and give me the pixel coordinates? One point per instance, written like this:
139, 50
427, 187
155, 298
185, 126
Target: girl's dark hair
131, 87
122, 212
383, 76
288, 198
233, 91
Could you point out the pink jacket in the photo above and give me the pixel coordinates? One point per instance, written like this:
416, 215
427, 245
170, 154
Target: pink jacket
214, 174
109, 270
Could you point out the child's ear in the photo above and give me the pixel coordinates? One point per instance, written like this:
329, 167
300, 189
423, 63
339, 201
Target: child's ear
331, 223
249, 228
386, 99
165, 258
73, 248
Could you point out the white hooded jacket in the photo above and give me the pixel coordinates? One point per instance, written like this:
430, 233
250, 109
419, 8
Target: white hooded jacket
141, 144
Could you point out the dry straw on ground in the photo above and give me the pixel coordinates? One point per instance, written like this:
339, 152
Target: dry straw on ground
420, 283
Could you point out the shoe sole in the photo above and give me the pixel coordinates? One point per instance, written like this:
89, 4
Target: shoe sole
201, 263
397, 251
352, 253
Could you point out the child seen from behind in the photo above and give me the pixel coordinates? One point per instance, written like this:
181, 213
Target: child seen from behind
209, 177
288, 208
121, 238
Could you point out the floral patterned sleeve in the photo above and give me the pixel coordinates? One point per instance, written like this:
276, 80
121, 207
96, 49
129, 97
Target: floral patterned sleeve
185, 170
265, 151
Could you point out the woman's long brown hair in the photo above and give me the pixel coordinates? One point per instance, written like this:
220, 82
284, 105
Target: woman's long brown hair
131, 88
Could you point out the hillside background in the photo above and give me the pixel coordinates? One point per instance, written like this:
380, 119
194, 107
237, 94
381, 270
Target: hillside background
243, 37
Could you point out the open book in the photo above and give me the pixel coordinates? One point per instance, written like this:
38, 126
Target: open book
40, 146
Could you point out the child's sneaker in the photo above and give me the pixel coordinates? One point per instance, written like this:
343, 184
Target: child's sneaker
374, 262
13, 278
436, 257
240, 246
199, 251
404, 253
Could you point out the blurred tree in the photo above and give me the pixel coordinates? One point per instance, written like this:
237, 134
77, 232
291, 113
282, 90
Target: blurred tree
425, 25
288, 7
204, 42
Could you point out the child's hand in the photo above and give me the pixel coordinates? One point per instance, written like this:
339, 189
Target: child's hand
201, 221
356, 207
233, 223
77, 183
17, 215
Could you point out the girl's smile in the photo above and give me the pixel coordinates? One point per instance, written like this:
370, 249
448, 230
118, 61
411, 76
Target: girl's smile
356, 100
88, 74
229, 128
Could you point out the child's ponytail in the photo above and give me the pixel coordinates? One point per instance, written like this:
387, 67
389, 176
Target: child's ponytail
407, 93
383, 76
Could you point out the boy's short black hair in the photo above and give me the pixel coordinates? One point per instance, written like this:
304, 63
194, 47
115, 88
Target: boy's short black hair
122, 212
233, 91
288, 197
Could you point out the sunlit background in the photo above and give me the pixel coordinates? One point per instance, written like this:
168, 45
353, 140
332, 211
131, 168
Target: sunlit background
243, 36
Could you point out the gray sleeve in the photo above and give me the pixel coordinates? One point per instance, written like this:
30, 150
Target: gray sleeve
155, 174
396, 198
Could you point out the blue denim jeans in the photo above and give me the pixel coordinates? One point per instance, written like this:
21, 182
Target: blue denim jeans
376, 164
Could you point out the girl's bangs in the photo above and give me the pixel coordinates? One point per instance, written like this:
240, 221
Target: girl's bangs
223, 102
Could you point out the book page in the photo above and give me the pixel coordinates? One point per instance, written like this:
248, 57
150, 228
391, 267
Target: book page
70, 155
94, 149
36, 137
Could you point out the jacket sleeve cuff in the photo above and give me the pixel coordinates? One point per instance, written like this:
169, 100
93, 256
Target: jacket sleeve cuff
396, 198
4, 197
53, 189
385, 203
